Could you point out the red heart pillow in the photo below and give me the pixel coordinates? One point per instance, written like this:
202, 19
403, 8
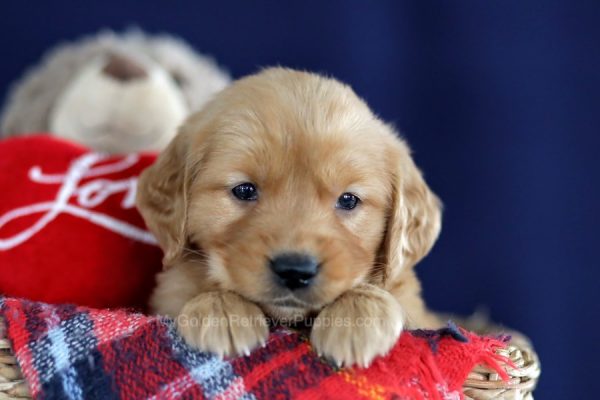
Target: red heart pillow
69, 230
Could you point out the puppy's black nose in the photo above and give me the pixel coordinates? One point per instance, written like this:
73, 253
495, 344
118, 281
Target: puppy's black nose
294, 270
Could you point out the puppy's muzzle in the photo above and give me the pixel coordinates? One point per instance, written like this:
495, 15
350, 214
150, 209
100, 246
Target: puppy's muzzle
294, 270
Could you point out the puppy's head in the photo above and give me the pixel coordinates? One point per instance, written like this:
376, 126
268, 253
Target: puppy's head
289, 191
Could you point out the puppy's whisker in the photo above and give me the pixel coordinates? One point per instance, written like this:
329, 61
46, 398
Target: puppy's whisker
378, 267
194, 251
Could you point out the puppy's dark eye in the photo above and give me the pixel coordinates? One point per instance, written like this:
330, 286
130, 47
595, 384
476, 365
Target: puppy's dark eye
245, 191
347, 201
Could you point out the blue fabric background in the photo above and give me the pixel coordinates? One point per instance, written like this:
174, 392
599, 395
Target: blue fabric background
500, 101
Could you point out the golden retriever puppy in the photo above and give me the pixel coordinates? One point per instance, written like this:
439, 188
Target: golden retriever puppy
287, 197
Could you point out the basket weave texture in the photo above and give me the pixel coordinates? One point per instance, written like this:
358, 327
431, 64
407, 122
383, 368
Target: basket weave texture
481, 384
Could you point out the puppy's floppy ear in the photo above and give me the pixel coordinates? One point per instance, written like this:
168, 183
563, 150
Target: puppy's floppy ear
414, 217
162, 198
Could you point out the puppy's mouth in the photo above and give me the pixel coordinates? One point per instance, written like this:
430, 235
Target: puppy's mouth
291, 302
289, 309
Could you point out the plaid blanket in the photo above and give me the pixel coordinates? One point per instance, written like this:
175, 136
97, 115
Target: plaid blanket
69, 352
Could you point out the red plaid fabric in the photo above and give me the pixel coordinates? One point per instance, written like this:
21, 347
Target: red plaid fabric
69, 352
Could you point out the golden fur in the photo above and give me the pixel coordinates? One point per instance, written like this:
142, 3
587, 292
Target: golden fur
303, 139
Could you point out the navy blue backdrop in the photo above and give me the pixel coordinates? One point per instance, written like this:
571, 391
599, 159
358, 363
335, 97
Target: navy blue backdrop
500, 101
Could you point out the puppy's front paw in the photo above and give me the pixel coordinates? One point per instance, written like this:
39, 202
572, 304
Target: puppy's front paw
360, 325
222, 323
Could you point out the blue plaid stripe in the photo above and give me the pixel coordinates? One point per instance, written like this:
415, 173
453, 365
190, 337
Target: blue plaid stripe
214, 375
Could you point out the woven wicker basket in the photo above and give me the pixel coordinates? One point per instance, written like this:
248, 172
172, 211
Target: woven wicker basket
481, 384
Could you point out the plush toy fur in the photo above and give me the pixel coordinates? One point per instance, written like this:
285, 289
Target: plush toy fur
113, 92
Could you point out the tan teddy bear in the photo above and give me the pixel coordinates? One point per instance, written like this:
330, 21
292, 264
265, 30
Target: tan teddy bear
113, 92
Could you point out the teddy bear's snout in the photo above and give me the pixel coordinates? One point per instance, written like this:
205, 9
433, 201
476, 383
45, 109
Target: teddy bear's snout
123, 68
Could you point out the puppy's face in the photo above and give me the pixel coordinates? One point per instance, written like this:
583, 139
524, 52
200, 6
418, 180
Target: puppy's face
285, 189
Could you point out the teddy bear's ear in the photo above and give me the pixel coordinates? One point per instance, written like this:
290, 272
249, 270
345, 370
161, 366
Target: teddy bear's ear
162, 198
